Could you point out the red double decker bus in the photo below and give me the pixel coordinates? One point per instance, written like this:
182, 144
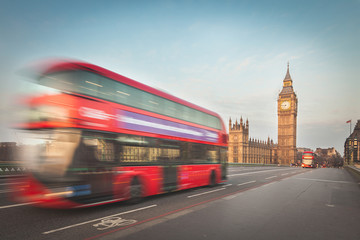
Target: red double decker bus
308, 160
107, 138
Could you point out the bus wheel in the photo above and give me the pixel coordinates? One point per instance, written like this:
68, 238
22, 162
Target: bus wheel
135, 191
212, 182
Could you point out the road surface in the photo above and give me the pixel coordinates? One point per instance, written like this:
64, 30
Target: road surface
255, 203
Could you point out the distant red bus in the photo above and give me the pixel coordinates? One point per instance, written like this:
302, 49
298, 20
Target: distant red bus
107, 138
308, 160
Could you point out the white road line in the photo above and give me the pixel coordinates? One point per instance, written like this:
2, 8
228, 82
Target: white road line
17, 205
97, 203
270, 177
195, 195
249, 173
284, 174
228, 185
230, 197
323, 180
79, 224
246, 183
266, 185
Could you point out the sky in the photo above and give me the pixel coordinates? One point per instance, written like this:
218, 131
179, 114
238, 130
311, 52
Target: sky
227, 56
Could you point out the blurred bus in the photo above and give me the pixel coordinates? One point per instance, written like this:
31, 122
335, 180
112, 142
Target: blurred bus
106, 138
308, 160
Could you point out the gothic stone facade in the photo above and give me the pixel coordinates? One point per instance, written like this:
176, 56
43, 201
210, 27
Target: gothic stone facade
243, 149
351, 146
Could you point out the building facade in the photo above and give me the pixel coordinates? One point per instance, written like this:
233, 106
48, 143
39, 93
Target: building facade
287, 122
351, 146
326, 152
243, 149
7, 151
328, 157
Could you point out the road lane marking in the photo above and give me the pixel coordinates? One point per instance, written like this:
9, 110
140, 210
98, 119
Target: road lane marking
99, 203
195, 195
228, 185
284, 174
246, 183
79, 224
264, 186
17, 205
323, 180
248, 173
230, 197
271, 177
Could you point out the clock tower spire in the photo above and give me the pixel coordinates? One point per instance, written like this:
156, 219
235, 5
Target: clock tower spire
287, 121
287, 82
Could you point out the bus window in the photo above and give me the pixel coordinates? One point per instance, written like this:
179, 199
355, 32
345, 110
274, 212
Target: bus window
107, 91
212, 156
89, 84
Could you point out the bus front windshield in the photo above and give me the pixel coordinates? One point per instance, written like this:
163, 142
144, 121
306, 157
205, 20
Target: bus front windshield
307, 161
76, 81
53, 152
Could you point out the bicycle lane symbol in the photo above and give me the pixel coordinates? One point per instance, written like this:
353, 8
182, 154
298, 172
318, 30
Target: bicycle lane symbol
113, 222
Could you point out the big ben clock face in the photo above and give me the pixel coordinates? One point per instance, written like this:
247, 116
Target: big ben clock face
285, 105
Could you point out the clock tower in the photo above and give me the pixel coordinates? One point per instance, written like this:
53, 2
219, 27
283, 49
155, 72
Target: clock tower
287, 113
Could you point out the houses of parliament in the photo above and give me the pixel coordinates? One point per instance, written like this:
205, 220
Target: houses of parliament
243, 149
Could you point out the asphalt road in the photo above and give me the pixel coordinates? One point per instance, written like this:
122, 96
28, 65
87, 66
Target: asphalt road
255, 203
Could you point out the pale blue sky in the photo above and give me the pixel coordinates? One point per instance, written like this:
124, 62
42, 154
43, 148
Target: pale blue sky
228, 56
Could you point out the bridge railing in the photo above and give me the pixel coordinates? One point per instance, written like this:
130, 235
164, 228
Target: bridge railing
11, 169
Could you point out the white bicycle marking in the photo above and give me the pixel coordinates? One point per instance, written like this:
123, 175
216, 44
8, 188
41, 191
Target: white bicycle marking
98, 219
113, 222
